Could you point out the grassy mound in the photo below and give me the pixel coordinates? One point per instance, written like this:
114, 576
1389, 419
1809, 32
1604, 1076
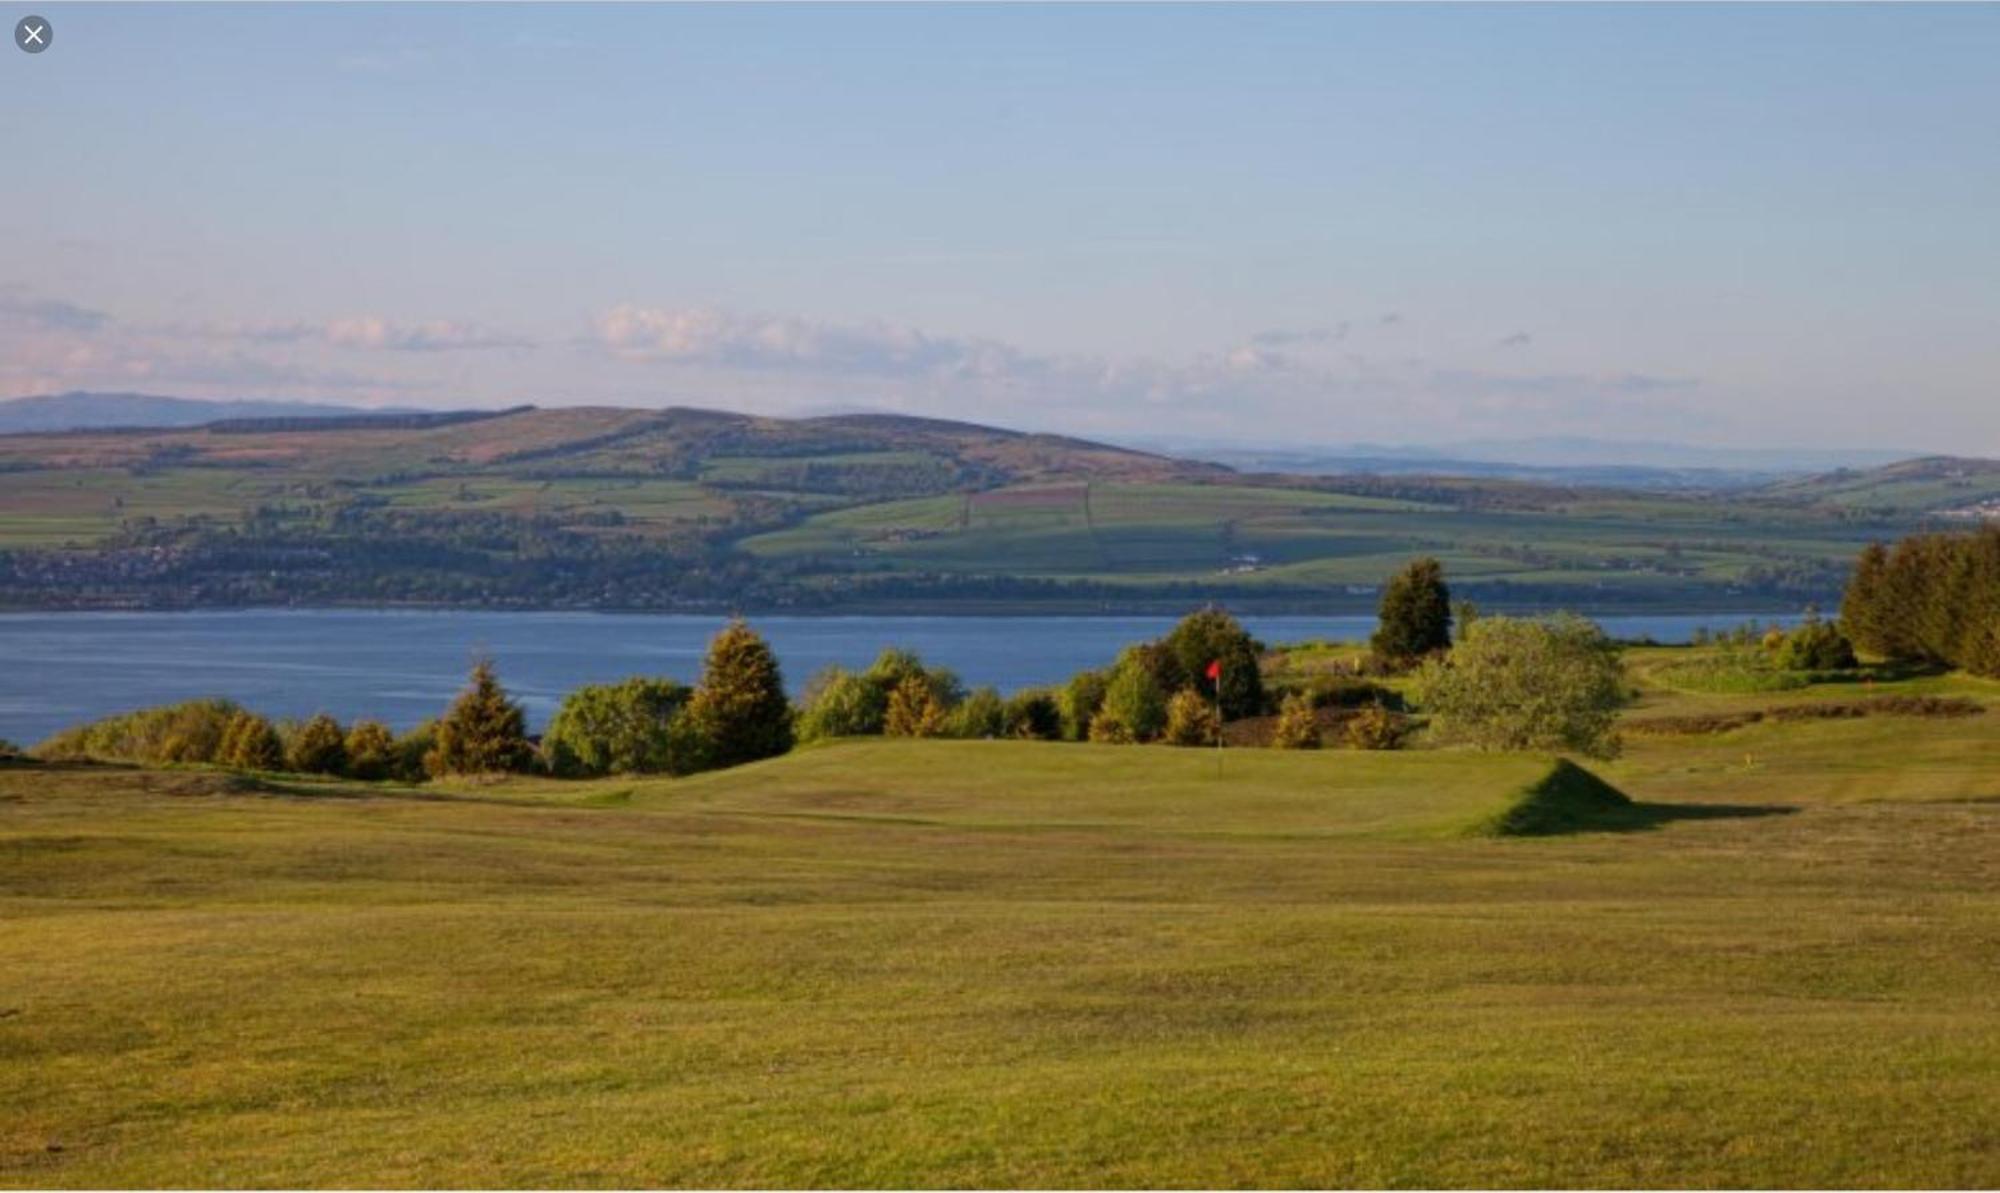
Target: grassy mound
1567, 799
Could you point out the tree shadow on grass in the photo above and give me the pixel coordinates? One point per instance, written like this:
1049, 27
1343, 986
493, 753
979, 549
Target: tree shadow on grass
1643, 817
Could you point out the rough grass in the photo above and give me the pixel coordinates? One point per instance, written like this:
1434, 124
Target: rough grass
981, 963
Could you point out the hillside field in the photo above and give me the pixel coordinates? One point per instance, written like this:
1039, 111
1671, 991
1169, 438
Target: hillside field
996, 963
683, 508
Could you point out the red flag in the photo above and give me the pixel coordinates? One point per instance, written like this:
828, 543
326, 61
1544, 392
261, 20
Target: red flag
1215, 670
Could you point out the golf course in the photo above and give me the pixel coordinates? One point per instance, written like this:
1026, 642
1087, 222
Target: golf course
903, 962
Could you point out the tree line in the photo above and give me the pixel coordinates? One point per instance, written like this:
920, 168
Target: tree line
1932, 598
1509, 684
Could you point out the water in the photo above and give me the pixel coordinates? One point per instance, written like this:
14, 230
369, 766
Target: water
401, 666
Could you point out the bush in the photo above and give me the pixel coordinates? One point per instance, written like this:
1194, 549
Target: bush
739, 712
483, 732
892, 667
1191, 720
1375, 728
191, 731
251, 743
371, 751
1082, 696
617, 729
1298, 724
318, 747
1414, 619
1034, 714
914, 709
1815, 646
1526, 684
410, 760
839, 703
980, 715
1133, 708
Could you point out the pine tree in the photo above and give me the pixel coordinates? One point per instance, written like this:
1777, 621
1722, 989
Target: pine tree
739, 712
1415, 615
483, 732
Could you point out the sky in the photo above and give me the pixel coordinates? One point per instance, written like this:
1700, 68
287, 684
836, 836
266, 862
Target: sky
1746, 226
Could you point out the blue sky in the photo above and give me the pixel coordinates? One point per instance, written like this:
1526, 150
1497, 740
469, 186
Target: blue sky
1733, 225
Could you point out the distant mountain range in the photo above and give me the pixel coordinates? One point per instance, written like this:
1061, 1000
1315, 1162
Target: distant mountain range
1557, 460
1564, 460
93, 411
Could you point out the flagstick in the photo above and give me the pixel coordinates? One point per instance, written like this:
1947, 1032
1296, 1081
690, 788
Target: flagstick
1218, 718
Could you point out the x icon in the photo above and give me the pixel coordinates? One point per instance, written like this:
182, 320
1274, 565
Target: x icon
33, 34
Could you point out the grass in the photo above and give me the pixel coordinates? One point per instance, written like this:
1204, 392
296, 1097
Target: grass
986, 963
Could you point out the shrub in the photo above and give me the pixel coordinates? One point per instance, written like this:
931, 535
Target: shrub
739, 712
1815, 646
1082, 696
251, 743
483, 732
1191, 720
892, 667
1133, 708
1298, 724
1375, 728
371, 750
982, 714
410, 760
914, 709
617, 729
1528, 684
191, 731
1034, 714
839, 703
318, 747
1414, 619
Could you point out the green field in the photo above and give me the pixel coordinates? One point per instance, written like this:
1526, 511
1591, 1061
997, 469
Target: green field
993, 963
686, 508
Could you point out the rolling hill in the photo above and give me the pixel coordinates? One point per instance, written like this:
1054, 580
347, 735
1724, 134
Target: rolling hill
693, 508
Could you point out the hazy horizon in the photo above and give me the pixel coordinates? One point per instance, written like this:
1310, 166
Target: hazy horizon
1728, 227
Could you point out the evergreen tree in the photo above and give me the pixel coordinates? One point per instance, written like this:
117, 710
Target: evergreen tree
1415, 615
739, 712
483, 732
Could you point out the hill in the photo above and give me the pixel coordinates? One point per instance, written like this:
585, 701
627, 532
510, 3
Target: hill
1947, 487
692, 508
87, 411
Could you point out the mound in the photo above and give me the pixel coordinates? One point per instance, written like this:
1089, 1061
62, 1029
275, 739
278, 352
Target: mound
1568, 799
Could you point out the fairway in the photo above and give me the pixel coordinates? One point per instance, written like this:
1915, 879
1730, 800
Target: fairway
984, 963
